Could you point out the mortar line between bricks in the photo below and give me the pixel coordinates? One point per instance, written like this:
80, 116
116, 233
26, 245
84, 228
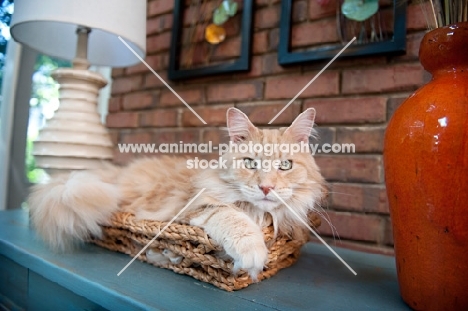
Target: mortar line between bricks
313, 79
162, 80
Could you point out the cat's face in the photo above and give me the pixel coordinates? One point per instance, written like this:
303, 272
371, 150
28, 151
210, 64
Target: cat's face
262, 161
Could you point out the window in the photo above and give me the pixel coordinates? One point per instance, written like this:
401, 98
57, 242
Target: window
44, 101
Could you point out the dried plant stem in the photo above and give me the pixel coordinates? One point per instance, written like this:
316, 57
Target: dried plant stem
439, 12
465, 11
449, 12
433, 12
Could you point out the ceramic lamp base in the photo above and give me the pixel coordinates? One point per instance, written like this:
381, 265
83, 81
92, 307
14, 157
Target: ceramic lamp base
74, 138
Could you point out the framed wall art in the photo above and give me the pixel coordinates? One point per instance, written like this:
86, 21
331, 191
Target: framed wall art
314, 30
210, 37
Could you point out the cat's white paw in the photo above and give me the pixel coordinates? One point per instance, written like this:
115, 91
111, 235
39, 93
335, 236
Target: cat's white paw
175, 259
250, 254
163, 257
156, 256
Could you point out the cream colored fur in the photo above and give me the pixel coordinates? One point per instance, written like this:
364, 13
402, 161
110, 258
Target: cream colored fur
232, 209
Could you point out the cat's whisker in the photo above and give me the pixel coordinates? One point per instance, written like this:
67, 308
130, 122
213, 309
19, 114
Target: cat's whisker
324, 215
315, 233
342, 193
327, 219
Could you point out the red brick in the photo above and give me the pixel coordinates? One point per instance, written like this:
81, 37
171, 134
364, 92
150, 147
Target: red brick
122, 120
365, 139
260, 113
392, 78
137, 101
388, 232
156, 62
189, 136
139, 68
323, 31
358, 62
234, 92
159, 23
114, 136
289, 86
260, 42
158, 43
351, 168
271, 66
355, 226
317, 10
157, 7
176, 136
348, 110
213, 116
152, 81
346, 197
216, 136
267, 17
326, 135
393, 104
117, 72
191, 97
228, 49
273, 40
159, 118
115, 104
415, 17
299, 11
359, 198
122, 158
164, 62
136, 138
413, 42
256, 68
126, 84
165, 137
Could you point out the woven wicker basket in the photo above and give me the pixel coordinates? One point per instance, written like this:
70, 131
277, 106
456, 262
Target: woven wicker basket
198, 250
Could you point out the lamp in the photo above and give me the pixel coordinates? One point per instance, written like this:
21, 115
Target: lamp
86, 32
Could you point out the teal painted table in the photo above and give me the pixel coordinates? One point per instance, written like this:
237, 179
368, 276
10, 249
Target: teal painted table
34, 278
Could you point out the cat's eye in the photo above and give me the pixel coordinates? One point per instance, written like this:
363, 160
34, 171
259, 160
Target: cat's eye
250, 163
285, 165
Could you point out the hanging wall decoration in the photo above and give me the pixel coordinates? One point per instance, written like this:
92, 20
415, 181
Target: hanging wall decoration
316, 30
210, 37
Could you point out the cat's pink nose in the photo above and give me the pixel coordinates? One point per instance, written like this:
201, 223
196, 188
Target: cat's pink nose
266, 189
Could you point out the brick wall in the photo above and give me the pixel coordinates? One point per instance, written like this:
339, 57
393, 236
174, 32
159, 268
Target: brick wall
354, 100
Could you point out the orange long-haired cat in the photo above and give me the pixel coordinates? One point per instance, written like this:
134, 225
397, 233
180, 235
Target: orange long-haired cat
235, 205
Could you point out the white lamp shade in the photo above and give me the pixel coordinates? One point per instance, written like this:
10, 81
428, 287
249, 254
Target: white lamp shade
49, 26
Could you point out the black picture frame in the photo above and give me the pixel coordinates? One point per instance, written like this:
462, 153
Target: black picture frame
242, 63
397, 45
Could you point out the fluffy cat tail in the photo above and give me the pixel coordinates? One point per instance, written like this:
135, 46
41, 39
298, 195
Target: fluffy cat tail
68, 209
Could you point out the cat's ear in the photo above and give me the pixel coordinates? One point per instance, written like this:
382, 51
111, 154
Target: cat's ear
238, 124
302, 127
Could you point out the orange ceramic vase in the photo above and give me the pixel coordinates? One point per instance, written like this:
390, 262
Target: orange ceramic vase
426, 172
